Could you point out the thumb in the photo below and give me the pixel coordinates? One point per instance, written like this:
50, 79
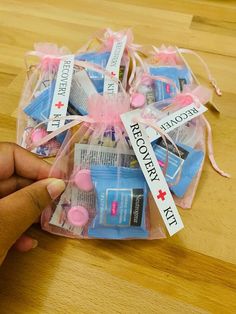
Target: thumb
19, 210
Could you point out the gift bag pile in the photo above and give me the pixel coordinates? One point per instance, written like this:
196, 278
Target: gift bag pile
126, 126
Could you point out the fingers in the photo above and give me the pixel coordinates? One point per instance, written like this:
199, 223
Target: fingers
13, 184
15, 159
20, 209
25, 244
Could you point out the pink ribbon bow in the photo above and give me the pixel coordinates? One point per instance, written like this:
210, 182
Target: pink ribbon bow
166, 55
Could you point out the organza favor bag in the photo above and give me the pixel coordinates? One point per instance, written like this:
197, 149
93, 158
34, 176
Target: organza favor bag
179, 146
36, 99
163, 73
106, 194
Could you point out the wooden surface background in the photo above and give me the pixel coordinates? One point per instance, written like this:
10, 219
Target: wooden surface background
193, 272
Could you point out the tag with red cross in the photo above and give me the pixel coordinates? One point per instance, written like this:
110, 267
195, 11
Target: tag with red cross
61, 93
152, 171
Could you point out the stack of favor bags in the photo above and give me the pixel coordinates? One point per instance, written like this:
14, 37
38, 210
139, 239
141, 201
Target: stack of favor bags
127, 129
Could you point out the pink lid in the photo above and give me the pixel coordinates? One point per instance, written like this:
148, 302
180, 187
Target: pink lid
82, 179
137, 100
78, 216
38, 134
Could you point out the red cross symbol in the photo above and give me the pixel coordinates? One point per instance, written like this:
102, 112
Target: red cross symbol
161, 195
59, 105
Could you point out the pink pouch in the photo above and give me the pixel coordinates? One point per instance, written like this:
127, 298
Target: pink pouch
36, 98
164, 73
97, 162
182, 169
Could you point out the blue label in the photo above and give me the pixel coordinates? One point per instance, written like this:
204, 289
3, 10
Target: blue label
118, 206
179, 76
39, 108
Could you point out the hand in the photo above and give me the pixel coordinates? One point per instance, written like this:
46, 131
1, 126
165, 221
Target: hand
24, 193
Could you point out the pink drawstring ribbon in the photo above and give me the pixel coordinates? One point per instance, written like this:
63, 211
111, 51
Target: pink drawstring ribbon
210, 77
210, 150
166, 55
50, 56
199, 96
169, 56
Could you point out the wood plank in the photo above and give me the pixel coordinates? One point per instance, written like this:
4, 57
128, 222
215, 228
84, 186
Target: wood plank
192, 272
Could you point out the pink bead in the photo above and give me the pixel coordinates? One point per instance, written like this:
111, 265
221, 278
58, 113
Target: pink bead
137, 100
78, 216
38, 134
82, 179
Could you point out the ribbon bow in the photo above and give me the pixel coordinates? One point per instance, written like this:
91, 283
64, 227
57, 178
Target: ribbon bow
166, 55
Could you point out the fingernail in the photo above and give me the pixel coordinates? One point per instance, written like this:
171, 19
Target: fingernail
34, 243
55, 188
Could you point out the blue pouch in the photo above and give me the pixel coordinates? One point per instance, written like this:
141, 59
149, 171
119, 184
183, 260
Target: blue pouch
100, 59
121, 201
190, 159
39, 108
179, 75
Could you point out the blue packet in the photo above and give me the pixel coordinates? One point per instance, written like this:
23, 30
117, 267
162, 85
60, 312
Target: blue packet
179, 75
99, 58
39, 110
121, 201
40, 106
190, 160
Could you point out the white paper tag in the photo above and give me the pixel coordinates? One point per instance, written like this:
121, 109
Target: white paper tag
153, 173
175, 120
113, 66
61, 93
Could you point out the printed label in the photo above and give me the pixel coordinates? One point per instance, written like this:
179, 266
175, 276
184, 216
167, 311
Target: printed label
153, 173
61, 93
176, 119
108, 156
81, 88
123, 207
113, 66
116, 207
150, 97
164, 90
182, 82
137, 207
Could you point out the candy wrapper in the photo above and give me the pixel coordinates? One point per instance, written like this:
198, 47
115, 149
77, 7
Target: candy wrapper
106, 194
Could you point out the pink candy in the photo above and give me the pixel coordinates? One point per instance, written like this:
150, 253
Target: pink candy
78, 216
137, 100
38, 134
82, 179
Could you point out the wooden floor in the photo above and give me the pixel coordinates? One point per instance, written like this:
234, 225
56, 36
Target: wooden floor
193, 272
